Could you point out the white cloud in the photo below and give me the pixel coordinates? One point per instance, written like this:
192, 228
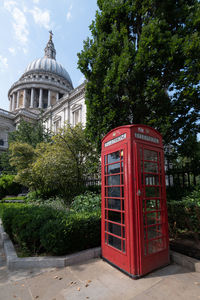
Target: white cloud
3, 63
9, 4
36, 1
19, 23
20, 26
69, 13
12, 50
41, 18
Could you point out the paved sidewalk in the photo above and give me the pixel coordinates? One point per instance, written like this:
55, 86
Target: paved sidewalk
97, 280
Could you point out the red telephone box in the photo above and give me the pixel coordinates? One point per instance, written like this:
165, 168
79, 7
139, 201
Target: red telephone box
134, 214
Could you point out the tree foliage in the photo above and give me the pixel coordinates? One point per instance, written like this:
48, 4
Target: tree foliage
59, 167
22, 156
30, 133
5, 166
142, 66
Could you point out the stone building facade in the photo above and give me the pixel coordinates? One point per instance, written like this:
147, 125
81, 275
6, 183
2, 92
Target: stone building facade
44, 89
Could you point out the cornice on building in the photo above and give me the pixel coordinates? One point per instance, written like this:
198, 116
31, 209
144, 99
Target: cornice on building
6, 114
78, 91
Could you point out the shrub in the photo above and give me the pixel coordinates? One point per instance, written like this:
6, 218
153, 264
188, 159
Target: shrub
177, 192
77, 232
8, 213
47, 230
184, 214
88, 201
56, 202
8, 186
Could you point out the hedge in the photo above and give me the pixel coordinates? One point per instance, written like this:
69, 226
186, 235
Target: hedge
46, 230
184, 214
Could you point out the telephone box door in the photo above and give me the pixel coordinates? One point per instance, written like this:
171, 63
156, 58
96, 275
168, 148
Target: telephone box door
115, 243
152, 208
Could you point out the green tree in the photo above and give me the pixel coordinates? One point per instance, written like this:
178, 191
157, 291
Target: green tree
22, 155
5, 166
142, 66
75, 142
30, 133
59, 167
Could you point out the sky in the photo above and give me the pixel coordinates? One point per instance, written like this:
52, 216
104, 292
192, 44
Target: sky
24, 33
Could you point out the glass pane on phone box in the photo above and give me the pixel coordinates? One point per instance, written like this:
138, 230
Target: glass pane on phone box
151, 232
152, 191
113, 169
114, 228
106, 238
124, 247
150, 167
122, 179
114, 191
115, 242
123, 204
114, 180
144, 206
153, 218
114, 216
106, 226
114, 204
106, 180
150, 155
113, 157
151, 180
152, 204
155, 246
123, 218
123, 230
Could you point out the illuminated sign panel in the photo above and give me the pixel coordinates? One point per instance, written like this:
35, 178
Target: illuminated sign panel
146, 138
116, 140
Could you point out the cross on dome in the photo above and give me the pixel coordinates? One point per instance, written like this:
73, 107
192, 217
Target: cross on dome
51, 35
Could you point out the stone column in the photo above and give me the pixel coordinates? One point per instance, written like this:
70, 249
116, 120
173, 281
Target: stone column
25, 98
17, 99
49, 98
64, 113
57, 97
68, 112
32, 97
40, 98
13, 101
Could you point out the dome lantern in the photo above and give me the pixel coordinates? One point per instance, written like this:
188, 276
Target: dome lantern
50, 51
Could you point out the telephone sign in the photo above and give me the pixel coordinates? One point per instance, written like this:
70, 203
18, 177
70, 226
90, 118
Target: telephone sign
134, 213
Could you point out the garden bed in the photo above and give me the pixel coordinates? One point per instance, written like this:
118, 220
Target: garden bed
38, 230
185, 244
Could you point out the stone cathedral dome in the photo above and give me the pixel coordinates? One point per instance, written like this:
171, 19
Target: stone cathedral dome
48, 65
42, 84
